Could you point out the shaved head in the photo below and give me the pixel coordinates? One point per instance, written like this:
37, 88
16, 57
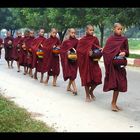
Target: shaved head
89, 27
8, 33
18, 33
117, 25
53, 30
71, 30
41, 32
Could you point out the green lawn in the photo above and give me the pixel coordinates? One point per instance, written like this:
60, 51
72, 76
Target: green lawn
134, 44
15, 119
134, 56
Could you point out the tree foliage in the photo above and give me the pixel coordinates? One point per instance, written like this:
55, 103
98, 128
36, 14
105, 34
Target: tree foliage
64, 18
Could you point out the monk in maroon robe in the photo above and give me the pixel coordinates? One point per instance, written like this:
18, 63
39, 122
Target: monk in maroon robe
17, 47
30, 53
69, 67
115, 77
24, 50
39, 63
53, 66
1, 46
90, 71
8, 46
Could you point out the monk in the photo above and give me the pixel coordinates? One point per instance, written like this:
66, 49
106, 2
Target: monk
1, 46
53, 66
115, 77
39, 63
8, 46
69, 68
17, 47
24, 50
90, 71
30, 53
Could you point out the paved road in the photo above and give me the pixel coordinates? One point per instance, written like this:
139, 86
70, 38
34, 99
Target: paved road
66, 112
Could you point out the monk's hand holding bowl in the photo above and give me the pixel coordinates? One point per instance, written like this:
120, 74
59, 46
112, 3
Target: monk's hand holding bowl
9, 42
101, 49
41, 45
122, 54
90, 53
58, 47
1, 46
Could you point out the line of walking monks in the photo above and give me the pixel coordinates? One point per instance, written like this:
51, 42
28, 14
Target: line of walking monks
42, 55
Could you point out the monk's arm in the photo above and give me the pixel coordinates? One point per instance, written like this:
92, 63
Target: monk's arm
126, 48
97, 42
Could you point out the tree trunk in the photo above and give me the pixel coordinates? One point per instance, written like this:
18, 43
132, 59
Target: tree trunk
62, 34
12, 32
101, 27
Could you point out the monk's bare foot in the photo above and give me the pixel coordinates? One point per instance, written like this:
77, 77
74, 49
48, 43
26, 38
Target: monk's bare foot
69, 89
54, 84
74, 93
35, 77
93, 98
88, 99
41, 81
114, 108
24, 73
46, 82
118, 108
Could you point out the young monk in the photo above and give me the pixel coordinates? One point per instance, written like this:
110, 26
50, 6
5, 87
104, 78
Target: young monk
8, 46
30, 53
24, 51
17, 47
1, 46
90, 71
69, 68
53, 67
115, 77
39, 63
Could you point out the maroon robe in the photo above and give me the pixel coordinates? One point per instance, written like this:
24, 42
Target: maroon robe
90, 71
39, 64
69, 68
1, 42
30, 54
115, 78
24, 53
8, 51
16, 51
53, 65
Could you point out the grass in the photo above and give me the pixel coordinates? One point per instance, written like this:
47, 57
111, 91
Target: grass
134, 44
15, 119
134, 56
